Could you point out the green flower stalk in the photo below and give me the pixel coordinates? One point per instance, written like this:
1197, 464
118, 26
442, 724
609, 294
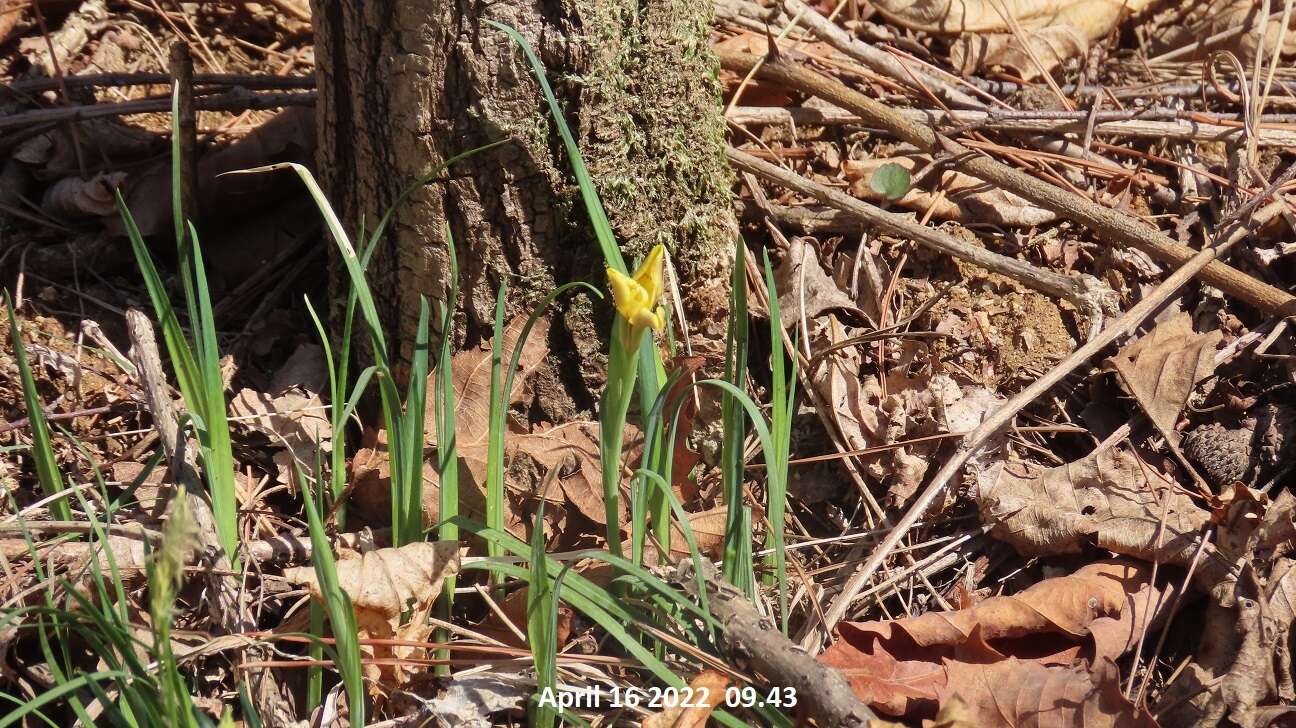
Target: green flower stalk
636, 298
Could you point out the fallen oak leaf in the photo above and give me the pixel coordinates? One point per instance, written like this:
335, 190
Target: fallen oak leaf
1106, 499
1055, 29
386, 581
392, 591
1098, 612
1015, 693
1161, 369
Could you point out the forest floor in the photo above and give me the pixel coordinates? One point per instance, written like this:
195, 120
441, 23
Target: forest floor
1034, 285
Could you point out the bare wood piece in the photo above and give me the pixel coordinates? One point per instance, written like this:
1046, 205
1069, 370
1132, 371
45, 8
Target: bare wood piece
233, 100
878, 59
1086, 293
1113, 226
110, 80
1061, 123
754, 639
1000, 418
224, 605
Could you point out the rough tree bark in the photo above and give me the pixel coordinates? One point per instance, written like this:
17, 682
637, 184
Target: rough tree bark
407, 84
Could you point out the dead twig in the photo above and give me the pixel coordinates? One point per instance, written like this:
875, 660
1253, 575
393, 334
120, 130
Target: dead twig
224, 605
1092, 297
1186, 126
1113, 226
823, 691
231, 101
1004, 415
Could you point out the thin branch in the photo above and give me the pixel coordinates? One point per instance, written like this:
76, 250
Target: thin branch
1115, 227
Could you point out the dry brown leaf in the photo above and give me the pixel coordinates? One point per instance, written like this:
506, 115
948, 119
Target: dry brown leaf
11, 12
954, 713
387, 581
803, 285
966, 198
1161, 368
1098, 612
514, 608
392, 591
573, 449
1049, 48
73, 198
371, 471
1105, 498
892, 686
707, 690
472, 378
292, 414
1015, 693
1186, 24
1055, 29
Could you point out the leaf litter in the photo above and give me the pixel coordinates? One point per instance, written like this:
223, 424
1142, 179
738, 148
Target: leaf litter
1189, 622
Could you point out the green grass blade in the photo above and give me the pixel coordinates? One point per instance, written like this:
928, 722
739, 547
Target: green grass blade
47, 470
782, 399
411, 437
182, 358
598, 217
733, 424
495, 503
542, 626
338, 606
214, 433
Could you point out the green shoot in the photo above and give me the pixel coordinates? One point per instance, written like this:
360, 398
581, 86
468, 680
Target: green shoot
47, 471
734, 427
782, 402
338, 606
447, 452
542, 625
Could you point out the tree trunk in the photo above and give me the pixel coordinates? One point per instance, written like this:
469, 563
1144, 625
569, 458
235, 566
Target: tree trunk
405, 85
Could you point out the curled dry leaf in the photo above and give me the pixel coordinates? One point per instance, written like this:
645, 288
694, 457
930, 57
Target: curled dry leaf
387, 581
804, 287
1161, 368
954, 713
966, 198
1015, 693
73, 198
989, 29
1099, 612
392, 591
1109, 498
1186, 24
291, 415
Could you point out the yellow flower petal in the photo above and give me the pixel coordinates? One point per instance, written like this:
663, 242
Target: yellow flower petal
636, 296
649, 274
628, 295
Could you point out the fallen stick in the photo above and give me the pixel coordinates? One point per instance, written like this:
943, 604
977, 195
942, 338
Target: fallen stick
117, 80
1113, 226
229, 101
1179, 128
811, 639
1092, 297
223, 603
753, 639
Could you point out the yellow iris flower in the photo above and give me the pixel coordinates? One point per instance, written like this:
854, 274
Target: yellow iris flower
636, 296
